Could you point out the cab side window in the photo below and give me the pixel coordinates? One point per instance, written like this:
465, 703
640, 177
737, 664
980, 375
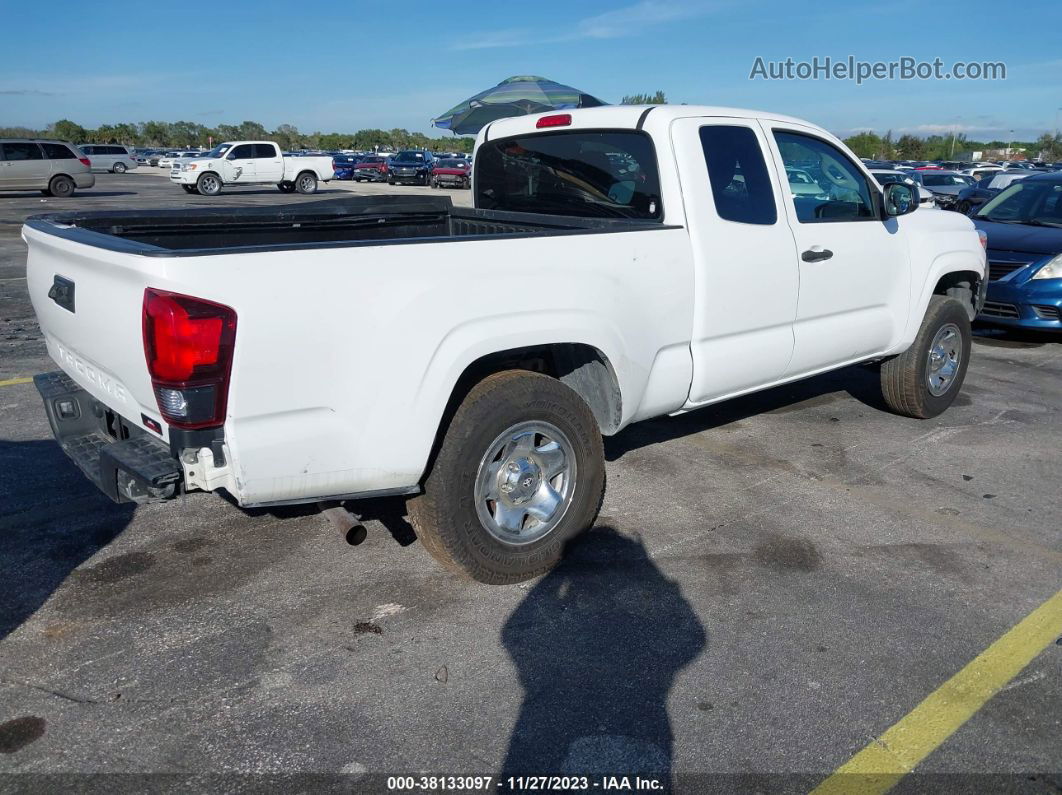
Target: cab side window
265, 151
243, 152
842, 191
741, 187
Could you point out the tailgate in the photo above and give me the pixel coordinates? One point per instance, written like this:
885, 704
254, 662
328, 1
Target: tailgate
88, 302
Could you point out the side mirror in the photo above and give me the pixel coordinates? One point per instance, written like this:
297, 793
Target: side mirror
230, 156
900, 199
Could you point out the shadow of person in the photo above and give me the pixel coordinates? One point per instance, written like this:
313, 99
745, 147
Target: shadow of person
597, 644
51, 520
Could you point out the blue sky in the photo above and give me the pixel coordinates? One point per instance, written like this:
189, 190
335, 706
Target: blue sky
344, 66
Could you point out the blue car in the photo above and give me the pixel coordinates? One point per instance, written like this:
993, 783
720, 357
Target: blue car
343, 165
1024, 228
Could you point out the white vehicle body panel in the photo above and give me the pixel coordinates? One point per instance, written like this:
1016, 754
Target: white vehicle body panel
341, 375
251, 170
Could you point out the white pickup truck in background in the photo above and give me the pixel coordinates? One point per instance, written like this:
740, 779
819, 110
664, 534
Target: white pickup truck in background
621, 263
250, 163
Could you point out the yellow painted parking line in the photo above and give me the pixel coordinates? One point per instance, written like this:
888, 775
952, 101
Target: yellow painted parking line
13, 381
879, 766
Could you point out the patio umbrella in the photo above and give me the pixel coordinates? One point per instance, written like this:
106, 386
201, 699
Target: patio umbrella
515, 96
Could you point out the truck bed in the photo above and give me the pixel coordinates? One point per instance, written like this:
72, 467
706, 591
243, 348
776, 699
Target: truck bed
358, 220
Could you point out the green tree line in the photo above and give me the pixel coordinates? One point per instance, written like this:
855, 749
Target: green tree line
946, 147
181, 134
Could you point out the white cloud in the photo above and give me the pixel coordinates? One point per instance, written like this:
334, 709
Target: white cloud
618, 23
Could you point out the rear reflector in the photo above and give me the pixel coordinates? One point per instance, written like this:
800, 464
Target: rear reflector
188, 344
559, 120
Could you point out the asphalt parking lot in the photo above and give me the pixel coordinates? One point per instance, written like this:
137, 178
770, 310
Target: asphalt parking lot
772, 583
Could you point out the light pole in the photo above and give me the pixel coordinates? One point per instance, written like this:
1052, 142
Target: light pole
1010, 145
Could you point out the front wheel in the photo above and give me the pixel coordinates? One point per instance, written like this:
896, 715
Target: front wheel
306, 183
209, 184
923, 380
520, 472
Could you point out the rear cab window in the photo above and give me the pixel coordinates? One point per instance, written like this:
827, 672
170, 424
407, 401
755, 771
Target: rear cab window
741, 185
586, 173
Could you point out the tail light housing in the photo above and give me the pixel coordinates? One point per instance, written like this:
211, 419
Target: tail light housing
557, 120
188, 344
85, 162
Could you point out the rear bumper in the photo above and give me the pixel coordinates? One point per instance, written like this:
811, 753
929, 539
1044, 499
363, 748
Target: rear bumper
125, 463
86, 180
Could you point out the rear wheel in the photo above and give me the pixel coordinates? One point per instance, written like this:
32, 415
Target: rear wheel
306, 183
119, 168
520, 472
923, 380
286, 187
61, 187
209, 184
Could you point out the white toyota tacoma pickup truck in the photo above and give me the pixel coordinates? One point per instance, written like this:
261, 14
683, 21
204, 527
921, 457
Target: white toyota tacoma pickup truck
621, 263
250, 163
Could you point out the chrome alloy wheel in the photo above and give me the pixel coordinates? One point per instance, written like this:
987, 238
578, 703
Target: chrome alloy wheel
525, 482
945, 355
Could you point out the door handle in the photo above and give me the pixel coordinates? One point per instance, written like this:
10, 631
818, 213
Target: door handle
811, 255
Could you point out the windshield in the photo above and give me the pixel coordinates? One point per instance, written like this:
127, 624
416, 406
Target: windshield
1025, 202
218, 151
939, 180
574, 172
408, 157
451, 164
891, 179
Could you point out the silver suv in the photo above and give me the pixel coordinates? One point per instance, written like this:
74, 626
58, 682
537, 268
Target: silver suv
55, 168
109, 157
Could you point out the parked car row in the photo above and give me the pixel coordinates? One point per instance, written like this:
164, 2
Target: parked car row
411, 166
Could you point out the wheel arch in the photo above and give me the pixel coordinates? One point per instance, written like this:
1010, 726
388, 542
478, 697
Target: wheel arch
583, 367
956, 273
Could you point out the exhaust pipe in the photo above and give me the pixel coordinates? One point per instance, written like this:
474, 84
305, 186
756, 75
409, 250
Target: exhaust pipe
346, 522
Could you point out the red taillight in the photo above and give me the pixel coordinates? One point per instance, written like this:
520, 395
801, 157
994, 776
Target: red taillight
559, 120
188, 343
85, 162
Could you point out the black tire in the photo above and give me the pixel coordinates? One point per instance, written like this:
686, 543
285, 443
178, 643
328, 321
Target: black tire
189, 188
286, 187
208, 184
445, 516
61, 187
904, 378
390, 181
119, 168
963, 207
306, 183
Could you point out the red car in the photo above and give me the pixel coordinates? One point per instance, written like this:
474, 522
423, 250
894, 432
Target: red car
451, 174
371, 169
